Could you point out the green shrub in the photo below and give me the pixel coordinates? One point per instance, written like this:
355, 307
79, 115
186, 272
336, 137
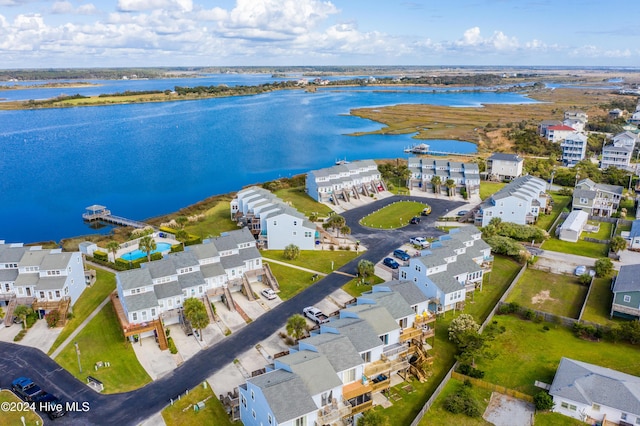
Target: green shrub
52, 318
509, 308
20, 335
31, 319
172, 346
100, 255
543, 401
176, 248
462, 402
470, 371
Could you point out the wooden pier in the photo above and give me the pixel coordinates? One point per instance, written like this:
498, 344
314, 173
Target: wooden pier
97, 213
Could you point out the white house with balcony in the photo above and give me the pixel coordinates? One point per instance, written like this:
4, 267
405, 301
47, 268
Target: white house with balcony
502, 166
574, 148
520, 201
464, 175
596, 199
617, 156
625, 138
344, 181
452, 267
593, 394
272, 221
558, 133
216, 268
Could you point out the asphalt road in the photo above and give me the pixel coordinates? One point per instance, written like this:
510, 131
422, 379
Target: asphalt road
131, 408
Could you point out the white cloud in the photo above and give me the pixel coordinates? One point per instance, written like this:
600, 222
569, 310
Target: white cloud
65, 7
591, 51
144, 5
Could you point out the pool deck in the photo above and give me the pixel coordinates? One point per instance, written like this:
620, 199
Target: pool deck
133, 245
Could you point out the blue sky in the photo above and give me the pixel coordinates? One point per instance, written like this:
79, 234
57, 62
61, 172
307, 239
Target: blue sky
100, 33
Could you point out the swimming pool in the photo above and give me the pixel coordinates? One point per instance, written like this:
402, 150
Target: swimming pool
137, 254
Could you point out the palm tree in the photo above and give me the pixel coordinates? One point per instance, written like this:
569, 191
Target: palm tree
291, 252
436, 182
296, 326
336, 222
182, 236
451, 187
366, 269
196, 313
617, 244
147, 244
113, 247
182, 221
22, 312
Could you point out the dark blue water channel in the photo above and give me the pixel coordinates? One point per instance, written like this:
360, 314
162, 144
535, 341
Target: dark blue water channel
144, 160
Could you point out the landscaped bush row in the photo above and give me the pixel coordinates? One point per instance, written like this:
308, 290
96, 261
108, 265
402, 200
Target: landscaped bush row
522, 312
100, 255
117, 266
172, 346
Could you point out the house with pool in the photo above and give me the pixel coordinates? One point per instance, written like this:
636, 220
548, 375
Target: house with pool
45, 279
274, 223
153, 295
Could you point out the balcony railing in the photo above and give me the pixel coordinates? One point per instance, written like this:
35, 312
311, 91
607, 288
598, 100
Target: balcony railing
355, 389
362, 407
410, 333
424, 319
332, 413
376, 368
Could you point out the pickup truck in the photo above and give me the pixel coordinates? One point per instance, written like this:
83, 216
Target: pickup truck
26, 389
315, 315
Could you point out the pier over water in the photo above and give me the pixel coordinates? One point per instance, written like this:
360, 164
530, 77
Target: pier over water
98, 213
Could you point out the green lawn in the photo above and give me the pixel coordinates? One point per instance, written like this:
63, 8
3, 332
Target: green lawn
560, 202
526, 353
355, 287
630, 205
102, 340
623, 228
12, 417
437, 415
292, 281
216, 220
393, 216
316, 260
182, 412
604, 233
599, 303
554, 293
302, 202
87, 302
406, 409
555, 419
582, 248
490, 188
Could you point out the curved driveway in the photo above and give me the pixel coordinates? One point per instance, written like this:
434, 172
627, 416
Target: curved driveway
132, 408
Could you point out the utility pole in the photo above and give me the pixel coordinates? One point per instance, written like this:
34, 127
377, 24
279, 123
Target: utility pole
78, 354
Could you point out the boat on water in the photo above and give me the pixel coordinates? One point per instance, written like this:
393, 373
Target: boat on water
422, 148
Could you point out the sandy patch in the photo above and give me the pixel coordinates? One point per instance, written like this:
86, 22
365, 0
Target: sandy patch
506, 410
542, 297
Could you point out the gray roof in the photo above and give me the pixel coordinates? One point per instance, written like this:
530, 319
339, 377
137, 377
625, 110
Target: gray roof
359, 331
377, 316
314, 369
614, 148
584, 193
212, 270
170, 289
285, 393
628, 279
501, 156
392, 301
183, 259
225, 242
588, 384
203, 251
338, 349
8, 275
137, 302
11, 253
135, 278
446, 282
160, 268
26, 280
192, 279
55, 261
408, 290
51, 283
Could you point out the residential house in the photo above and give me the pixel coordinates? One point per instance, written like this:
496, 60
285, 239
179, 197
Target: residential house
343, 181
594, 394
595, 198
574, 148
617, 156
520, 201
501, 166
453, 267
616, 113
273, 222
47, 278
626, 292
544, 125
573, 226
214, 269
635, 118
633, 236
558, 133
464, 175
625, 138
576, 114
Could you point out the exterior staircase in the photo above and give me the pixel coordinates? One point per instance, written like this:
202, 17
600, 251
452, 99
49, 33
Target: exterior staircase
228, 300
271, 279
247, 288
8, 315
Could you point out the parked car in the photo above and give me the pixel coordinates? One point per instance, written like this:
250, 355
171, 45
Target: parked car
50, 404
401, 254
419, 241
25, 389
462, 212
315, 315
426, 211
580, 270
391, 263
269, 294
414, 220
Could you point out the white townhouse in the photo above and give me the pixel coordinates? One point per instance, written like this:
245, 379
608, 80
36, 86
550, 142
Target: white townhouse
331, 376
41, 275
574, 148
520, 201
558, 133
465, 175
343, 181
596, 199
625, 138
158, 289
502, 166
452, 267
617, 156
272, 221
591, 393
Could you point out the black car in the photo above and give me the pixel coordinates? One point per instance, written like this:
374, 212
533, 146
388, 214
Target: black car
50, 404
391, 263
414, 220
25, 389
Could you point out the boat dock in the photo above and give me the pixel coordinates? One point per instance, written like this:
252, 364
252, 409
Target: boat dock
102, 214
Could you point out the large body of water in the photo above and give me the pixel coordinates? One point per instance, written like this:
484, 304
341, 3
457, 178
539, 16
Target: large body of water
144, 160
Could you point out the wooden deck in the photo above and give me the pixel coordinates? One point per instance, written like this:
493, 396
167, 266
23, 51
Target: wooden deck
129, 329
93, 214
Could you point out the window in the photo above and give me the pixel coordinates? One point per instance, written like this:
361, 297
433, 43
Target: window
134, 316
366, 357
295, 223
349, 376
572, 407
385, 339
253, 413
564, 405
57, 293
144, 315
301, 421
153, 312
42, 295
627, 298
269, 418
623, 416
244, 401
275, 223
253, 396
595, 407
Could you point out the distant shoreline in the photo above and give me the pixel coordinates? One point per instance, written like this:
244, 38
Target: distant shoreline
74, 85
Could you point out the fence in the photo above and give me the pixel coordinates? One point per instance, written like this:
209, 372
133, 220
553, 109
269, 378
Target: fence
492, 387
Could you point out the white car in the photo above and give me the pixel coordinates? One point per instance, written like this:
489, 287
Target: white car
419, 241
269, 294
581, 270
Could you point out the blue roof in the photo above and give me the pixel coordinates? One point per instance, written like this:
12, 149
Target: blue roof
635, 229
